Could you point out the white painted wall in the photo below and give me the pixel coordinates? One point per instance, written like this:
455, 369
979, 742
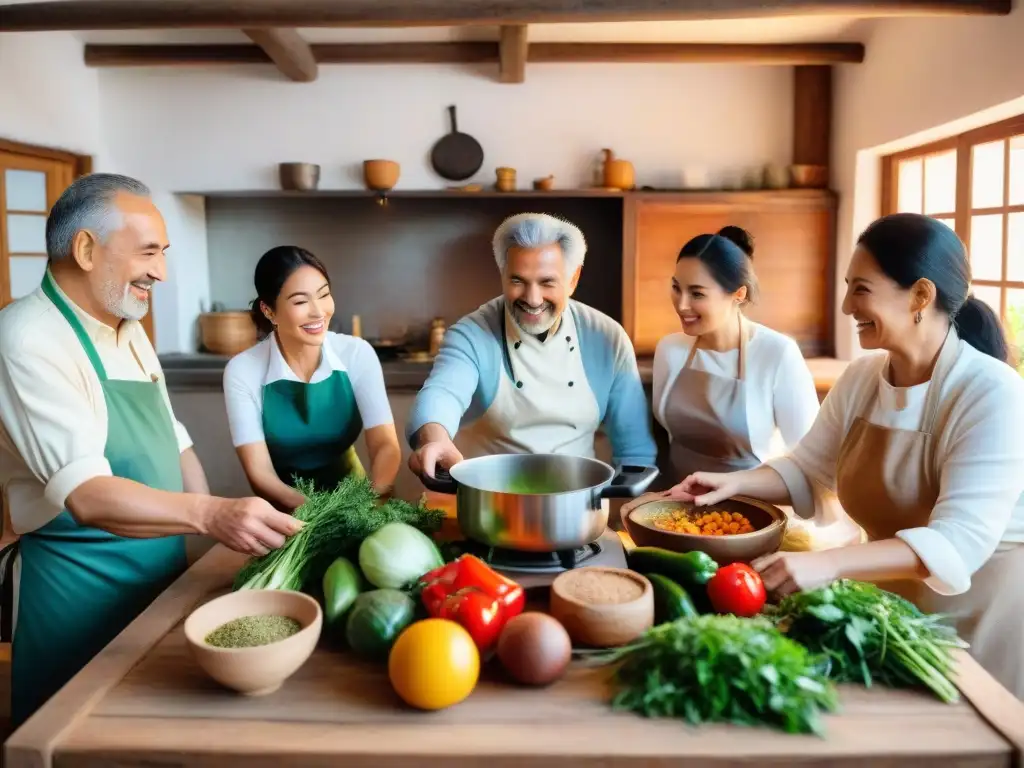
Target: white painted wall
922, 79
48, 97
194, 130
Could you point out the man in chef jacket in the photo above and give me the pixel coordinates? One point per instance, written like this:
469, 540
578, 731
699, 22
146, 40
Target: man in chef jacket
532, 371
99, 479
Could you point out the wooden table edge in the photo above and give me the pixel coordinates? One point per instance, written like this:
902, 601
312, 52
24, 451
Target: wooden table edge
1003, 711
33, 744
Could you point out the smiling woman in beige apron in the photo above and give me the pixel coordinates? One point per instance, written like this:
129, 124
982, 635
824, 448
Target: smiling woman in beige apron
923, 445
729, 392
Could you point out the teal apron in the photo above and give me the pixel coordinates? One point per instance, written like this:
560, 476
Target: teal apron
80, 586
311, 430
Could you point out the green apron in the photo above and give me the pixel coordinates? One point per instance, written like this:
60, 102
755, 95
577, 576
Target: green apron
311, 430
80, 586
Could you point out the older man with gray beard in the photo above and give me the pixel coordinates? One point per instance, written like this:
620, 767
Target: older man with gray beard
532, 371
99, 480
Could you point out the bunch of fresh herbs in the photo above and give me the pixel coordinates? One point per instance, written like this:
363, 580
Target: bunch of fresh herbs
336, 522
870, 636
715, 668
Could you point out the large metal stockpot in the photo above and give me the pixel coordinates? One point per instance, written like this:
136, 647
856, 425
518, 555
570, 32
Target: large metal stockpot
537, 502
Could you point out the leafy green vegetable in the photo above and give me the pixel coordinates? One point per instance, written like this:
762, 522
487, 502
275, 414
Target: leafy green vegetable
396, 555
722, 669
336, 523
870, 635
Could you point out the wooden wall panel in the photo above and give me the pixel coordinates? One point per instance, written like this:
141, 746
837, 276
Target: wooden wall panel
793, 259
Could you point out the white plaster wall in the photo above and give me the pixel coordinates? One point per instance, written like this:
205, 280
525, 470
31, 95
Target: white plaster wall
922, 79
48, 97
227, 128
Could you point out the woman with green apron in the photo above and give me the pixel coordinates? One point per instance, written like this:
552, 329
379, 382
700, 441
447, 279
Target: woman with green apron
298, 400
70, 589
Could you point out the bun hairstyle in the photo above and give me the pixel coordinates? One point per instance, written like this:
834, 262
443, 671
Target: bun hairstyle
909, 247
272, 271
729, 257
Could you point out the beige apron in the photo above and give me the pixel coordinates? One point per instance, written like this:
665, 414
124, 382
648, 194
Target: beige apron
886, 482
706, 418
546, 406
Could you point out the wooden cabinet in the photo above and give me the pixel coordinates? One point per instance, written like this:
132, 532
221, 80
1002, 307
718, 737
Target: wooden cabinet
794, 239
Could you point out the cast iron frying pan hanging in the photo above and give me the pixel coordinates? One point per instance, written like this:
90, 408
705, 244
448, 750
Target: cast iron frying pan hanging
456, 156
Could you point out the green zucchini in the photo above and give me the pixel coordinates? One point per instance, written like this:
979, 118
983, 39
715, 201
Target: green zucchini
671, 601
689, 569
342, 584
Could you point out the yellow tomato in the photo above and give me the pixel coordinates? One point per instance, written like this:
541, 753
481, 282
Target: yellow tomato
434, 664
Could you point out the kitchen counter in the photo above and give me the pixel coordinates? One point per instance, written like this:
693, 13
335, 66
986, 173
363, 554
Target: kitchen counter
204, 371
143, 702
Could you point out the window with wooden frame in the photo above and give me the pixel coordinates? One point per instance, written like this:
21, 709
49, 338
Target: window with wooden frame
974, 183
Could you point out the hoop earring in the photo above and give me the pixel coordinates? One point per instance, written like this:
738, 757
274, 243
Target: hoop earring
917, 317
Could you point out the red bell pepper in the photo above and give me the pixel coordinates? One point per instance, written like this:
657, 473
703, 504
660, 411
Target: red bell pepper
470, 593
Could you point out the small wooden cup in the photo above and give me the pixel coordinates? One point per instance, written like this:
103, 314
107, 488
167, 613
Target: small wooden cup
602, 625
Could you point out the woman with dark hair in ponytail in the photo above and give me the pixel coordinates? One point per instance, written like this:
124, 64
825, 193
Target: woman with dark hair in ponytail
725, 386
298, 401
923, 443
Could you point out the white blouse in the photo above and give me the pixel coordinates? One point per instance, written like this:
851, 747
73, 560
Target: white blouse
781, 399
979, 457
248, 372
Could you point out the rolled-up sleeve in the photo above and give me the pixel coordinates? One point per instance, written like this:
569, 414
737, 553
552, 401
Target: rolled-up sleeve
50, 418
448, 391
809, 469
628, 418
981, 482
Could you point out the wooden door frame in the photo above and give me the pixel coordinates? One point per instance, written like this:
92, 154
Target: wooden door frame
82, 165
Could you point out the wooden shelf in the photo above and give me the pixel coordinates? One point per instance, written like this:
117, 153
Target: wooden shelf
667, 194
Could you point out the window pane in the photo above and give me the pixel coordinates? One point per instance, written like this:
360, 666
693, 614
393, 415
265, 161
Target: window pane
951, 223
940, 183
26, 233
1015, 248
909, 186
1015, 323
26, 274
989, 294
987, 247
25, 190
987, 186
1017, 170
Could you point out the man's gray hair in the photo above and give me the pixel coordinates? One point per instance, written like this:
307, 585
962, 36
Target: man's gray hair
536, 230
87, 204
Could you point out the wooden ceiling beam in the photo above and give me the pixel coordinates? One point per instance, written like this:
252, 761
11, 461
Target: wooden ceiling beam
513, 47
806, 54
180, 14
287, 49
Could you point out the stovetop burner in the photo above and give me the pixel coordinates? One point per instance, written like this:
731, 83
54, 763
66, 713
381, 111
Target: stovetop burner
530, 562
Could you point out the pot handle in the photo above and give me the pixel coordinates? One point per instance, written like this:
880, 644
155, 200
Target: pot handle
441, 482
629, 482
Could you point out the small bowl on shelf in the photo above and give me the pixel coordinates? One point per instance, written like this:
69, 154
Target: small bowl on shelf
381, 175
768, 521
809, 176
254, 670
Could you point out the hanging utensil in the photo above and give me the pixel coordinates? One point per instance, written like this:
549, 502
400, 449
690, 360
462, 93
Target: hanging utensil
456, 156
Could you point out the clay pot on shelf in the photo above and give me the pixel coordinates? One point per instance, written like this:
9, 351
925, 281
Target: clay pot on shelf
618, 174
227, 333
506, 179
380, 175
544, 185
298, 176
809, 176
